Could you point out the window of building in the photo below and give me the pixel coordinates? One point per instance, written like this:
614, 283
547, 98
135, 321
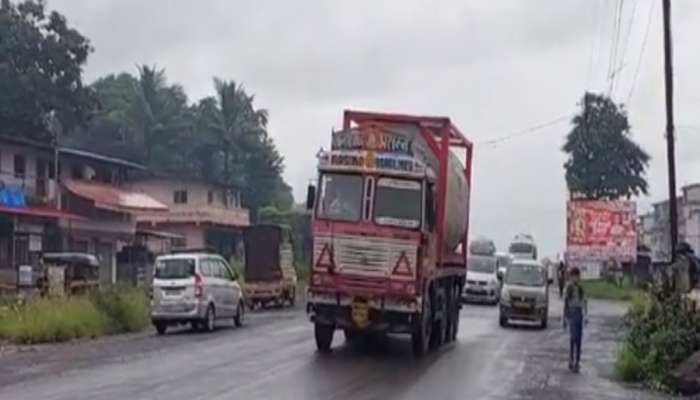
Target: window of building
210, 197
180, 197
20, 166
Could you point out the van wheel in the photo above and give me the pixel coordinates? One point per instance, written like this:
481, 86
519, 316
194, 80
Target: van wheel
240, 313
503, 321
543, 323
209, 322
324, 337
161, 327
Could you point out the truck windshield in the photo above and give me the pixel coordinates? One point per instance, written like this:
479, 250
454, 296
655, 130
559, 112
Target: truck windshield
525, 275
522, 248
398, 202
177, 268
341, 197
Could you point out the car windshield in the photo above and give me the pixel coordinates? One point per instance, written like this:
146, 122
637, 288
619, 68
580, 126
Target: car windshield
398, 203
525, 275
341, 197
482, 265
179, 268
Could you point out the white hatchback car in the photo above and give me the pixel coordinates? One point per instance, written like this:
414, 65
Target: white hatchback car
195, 288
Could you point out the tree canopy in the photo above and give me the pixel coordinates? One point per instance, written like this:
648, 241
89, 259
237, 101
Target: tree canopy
138, 116
603, 160
40, 70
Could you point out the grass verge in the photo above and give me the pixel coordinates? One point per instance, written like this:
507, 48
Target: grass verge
114, 310
605, 290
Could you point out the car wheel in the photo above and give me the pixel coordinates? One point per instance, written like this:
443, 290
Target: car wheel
240, 314
161, 327
543, 323
503, 320
209, 322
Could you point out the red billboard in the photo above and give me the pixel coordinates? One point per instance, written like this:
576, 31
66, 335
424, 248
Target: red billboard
601, 230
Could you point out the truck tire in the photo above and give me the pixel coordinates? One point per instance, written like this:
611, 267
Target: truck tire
456, 292
292, 297
324, 337
350, 335
422, 327
437, 335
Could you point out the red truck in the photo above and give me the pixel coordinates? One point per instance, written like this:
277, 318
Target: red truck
390, 224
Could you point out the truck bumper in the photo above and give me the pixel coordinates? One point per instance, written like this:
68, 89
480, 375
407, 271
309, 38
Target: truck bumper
536, 313
384, 315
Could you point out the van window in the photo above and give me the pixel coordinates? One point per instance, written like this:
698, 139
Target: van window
226, 271
205, 267
178, 268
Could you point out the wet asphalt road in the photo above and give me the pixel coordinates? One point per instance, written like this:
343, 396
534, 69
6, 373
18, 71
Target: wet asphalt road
274, 357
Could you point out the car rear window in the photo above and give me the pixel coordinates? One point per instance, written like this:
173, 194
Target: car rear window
179, 268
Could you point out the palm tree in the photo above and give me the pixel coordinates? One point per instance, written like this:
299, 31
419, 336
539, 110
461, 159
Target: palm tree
237, 125
158, 112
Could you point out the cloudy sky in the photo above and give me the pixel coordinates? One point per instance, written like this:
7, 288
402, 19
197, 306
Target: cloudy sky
496, 68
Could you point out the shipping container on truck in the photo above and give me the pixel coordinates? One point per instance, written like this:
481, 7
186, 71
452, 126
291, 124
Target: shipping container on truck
269, 274
390, 222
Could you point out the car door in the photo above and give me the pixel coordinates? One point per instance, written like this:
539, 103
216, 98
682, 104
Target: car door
233, 289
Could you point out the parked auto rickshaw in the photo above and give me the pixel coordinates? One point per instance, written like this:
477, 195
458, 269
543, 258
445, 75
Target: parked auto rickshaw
68, 273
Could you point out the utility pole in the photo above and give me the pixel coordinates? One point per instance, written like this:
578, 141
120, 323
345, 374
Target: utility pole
671, 158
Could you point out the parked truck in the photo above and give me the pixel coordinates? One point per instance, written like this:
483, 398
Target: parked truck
390, 222
269, 274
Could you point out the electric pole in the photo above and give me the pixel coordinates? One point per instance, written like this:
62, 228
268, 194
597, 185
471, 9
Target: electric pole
668, 78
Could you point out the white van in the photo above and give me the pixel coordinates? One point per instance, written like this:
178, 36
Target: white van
195, 288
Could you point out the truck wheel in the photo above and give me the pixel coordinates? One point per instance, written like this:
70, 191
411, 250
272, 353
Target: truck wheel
350, 335
422, 327
455, 317
292, 297
324, 337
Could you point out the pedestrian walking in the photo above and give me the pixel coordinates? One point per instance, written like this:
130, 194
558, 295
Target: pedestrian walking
575, 314
561, 278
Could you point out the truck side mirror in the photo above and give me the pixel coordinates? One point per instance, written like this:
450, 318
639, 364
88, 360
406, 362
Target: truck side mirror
310, 197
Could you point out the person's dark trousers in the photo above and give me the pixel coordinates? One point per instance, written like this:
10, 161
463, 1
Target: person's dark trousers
576, 334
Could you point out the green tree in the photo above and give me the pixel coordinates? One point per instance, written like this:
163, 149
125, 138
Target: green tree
159, 114
603, 160
41, 70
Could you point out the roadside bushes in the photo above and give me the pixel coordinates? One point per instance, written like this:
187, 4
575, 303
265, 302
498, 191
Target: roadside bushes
113, 310
662, 331
127, 308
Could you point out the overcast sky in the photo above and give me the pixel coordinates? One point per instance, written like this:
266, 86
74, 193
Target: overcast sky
496, 68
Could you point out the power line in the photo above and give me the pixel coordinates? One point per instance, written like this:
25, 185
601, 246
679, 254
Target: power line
593, 42
613, 68
641, 52
629, 31
526, 131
